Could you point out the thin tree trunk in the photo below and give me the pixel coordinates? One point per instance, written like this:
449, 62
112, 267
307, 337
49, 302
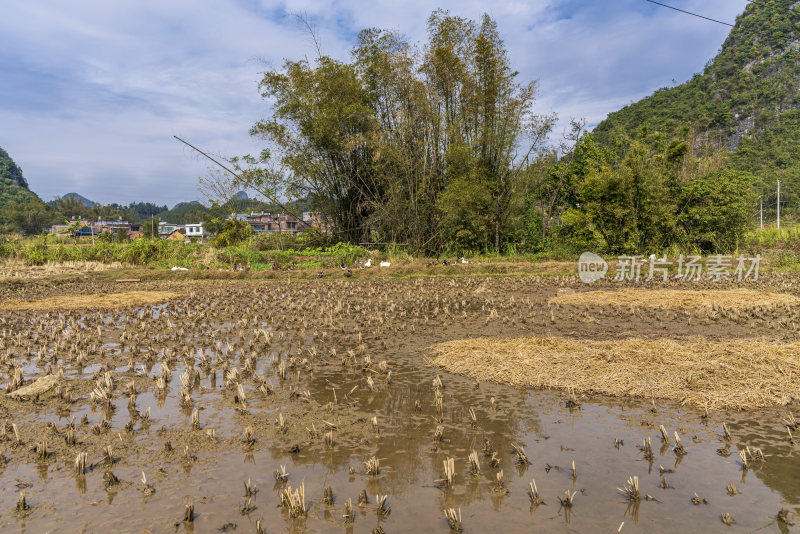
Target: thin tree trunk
497, 228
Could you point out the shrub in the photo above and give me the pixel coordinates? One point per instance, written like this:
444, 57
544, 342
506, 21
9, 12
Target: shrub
233, 232
346, 253
35, 254
9, 248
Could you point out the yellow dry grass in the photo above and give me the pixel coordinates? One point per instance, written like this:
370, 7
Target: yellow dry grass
740, 374
18, 269
94, 301
728, 299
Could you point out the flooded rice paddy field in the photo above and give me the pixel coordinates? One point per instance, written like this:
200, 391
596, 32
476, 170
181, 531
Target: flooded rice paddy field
183, 403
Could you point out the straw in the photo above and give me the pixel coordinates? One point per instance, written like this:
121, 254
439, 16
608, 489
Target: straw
96, 301
737, 374
728, 299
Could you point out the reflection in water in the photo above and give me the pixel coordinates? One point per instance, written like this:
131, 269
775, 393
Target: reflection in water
588, 451
80, 484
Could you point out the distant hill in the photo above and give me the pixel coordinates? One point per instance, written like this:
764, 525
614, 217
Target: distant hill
241, 195
747, 100
184, 212
190, 203
10, 172
86, 202
20, 208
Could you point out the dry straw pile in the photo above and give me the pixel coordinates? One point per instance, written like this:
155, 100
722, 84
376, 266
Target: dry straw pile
728, 299
94, 301
18, 269
741, 374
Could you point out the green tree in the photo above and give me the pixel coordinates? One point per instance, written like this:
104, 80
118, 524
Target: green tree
377, 141
29, 217
120, 235
321, 125
70, 206
716, 210
466, 205
21, 211
10, 171
233, 232
649, 193
214, 218
150, 228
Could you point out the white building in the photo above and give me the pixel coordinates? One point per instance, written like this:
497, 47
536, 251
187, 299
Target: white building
195, 230
189, 230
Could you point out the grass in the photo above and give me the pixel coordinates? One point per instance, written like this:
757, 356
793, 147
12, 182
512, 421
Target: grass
260, 255
92, 301
162, 253
727, 299
258, 252
740, 374
772, 238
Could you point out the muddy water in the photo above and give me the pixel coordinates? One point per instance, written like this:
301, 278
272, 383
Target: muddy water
602, 436
411, 463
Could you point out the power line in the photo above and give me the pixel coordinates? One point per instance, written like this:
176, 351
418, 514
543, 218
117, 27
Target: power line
690, 13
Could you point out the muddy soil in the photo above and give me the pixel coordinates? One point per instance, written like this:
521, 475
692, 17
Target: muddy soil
242, 377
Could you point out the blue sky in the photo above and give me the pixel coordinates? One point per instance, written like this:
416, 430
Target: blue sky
92, 91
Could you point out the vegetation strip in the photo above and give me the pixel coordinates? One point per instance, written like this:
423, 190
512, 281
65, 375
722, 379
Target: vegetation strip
738, 375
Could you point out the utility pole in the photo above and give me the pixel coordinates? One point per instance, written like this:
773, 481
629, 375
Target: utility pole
779, 204
761, 213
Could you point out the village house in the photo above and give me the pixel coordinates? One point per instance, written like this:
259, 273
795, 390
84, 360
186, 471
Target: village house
279, 222
177, 235
195, 230
167, 230
59, 230
89, 228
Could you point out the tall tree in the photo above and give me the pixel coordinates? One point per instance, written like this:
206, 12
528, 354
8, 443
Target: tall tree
384, 141
321, 125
